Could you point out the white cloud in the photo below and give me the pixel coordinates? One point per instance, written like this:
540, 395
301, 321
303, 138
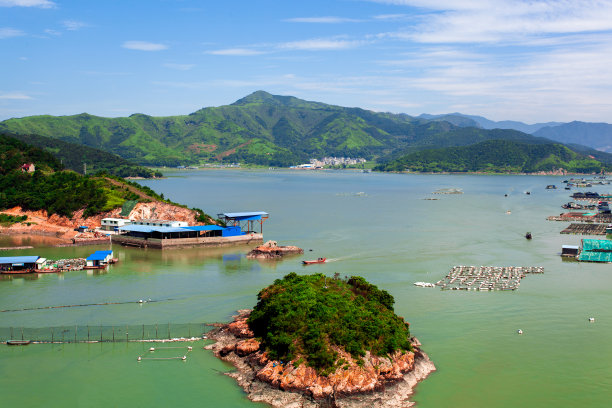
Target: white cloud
323, 20
459, 21
14, 96
27, 3
52, 32
143, 46
8, 32
180, 67
319, 45
72, 25
236, 52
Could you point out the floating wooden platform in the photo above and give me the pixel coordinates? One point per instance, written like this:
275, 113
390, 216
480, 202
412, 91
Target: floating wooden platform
486, 277
585, 229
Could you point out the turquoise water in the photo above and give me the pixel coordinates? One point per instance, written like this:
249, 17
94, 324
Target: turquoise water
375, 225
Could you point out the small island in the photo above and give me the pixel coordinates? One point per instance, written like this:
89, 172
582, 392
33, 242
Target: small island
316, 341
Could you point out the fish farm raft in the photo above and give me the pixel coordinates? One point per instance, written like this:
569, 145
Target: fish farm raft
486, 277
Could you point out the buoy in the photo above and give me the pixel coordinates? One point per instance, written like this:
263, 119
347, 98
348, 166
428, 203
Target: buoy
184, 358
189, 348
519, 331
152, 349
139, 358
591, 319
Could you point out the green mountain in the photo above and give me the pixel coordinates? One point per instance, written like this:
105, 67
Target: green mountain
75, 156
260, 128
496, 156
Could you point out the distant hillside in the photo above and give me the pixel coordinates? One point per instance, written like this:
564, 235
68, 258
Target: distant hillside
496, 156
62, 192
461, 119
260, 128
14, 153
595, 135
73, 156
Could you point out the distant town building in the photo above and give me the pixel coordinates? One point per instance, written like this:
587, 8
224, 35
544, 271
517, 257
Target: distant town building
28, 168
336, 161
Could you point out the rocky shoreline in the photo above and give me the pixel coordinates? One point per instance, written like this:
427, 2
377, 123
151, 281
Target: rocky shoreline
378, 382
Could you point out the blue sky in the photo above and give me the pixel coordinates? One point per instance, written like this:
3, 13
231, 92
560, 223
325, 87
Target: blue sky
532, 61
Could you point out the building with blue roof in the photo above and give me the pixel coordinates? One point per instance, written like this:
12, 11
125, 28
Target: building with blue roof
245, 220
21, 264
156, 236
99, 259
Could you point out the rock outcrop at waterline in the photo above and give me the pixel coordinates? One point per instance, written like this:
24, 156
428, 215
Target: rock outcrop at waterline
271, 250
378, 382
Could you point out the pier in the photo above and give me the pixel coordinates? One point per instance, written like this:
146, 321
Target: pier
486, 278
585, 229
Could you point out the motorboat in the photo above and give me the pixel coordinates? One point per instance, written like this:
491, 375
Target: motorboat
316, 261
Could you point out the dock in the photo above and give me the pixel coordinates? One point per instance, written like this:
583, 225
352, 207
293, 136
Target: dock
585, 229
486, 278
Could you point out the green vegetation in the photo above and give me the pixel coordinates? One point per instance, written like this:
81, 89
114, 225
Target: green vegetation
61, 191
496, 156
260, 129
6, 220
73, 156
302, 317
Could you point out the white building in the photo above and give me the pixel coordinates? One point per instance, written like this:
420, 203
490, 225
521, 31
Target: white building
161, 223
109, 224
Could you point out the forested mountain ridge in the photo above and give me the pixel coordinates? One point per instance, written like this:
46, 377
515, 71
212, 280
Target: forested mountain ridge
260, 128
497, 156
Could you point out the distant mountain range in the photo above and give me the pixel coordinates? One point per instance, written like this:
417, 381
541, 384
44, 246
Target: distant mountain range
276, 130
595, 135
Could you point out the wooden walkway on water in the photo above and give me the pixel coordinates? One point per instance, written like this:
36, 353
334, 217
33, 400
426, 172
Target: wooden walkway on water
585, 229
486, 277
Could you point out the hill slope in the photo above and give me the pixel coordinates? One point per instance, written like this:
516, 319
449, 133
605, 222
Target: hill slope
260, 128
73, 156
496, 156
595, 135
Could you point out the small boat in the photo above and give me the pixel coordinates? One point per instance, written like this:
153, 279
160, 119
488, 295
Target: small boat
18, 342
551, 187
528, 235
317, 261
17, 271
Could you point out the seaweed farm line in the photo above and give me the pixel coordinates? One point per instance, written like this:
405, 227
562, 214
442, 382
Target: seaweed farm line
486, 277
165, 332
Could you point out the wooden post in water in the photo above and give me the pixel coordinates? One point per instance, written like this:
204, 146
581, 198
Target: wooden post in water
143, 331
21, 332
169, 331
75, 332
87, 332
127, 338
113, 334
11, 333
52, 335
100, 333
156, 330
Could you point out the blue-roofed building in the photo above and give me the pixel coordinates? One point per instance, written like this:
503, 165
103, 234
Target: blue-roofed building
21, 264
187, 236
99, 259
245, 220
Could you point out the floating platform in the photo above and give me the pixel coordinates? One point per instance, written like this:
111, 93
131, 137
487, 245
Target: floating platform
585, 229
486, 277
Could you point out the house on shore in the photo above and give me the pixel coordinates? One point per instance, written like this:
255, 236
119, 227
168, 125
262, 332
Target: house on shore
112, 224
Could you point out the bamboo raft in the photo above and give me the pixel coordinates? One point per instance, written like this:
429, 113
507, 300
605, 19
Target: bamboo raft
585, 229
486, 277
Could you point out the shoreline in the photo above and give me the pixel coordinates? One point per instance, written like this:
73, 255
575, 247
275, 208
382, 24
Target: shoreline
236, 347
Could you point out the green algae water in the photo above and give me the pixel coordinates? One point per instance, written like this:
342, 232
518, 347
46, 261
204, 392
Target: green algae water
384, 227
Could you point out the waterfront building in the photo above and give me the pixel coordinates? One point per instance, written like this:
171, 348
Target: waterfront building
112, 224
21, 263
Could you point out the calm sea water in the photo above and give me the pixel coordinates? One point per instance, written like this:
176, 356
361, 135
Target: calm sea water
374, 225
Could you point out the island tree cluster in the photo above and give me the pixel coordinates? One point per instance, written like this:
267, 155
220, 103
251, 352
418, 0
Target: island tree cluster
307, 318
